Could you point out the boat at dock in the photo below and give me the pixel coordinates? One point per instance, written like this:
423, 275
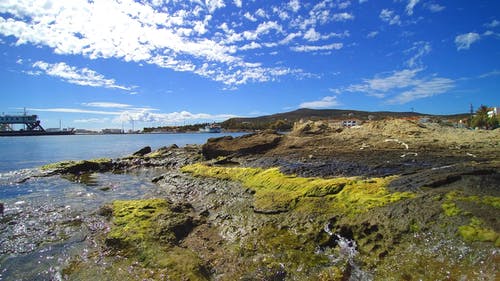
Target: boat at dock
32, 126
213, 128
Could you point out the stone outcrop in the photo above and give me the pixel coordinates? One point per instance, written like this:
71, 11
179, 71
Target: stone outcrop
244, 145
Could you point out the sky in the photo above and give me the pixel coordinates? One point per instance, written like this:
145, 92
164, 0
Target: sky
124, 63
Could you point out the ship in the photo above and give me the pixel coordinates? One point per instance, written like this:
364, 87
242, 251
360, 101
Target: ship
32, 126
214, 128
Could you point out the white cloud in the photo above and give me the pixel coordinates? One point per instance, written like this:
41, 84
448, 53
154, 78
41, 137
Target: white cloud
390, 17
424, 89
238, 3
309, 48
434, 7
410, 6
492, 24
401, 86
342, 17
464, 41
140, 115
250, 17
263, 28
261, 13
312, 35
290, 38
180, 38
294, 5
73, 75
213, 5
326, 102
344, 5
372, 34
106, 104
419, 50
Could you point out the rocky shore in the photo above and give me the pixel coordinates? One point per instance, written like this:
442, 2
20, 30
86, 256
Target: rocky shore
391, 200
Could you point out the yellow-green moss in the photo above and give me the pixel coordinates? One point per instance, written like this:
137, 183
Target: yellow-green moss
143, 230
450, 209
275, 191
493, 201
133, 220
475, 231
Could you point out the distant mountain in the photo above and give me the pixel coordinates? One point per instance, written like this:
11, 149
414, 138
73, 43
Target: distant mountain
285, 120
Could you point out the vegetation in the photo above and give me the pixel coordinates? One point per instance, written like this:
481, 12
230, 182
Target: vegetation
276, 192
476, 231
482, 120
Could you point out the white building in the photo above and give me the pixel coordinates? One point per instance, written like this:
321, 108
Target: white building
493, 111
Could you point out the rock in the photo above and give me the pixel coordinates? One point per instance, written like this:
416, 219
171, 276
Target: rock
244, 145
79, 167
143, 151
1, 209
312, 128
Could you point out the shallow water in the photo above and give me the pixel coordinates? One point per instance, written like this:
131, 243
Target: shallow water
29, 152
48, 219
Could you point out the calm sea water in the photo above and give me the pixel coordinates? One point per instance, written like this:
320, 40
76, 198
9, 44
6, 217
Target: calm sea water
29, 152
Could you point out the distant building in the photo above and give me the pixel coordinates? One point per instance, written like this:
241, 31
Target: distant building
493, 111
350, 123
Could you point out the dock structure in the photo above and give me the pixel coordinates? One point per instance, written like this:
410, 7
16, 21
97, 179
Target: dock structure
31, 122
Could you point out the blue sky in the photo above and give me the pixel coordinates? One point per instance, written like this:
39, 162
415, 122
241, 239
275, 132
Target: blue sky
104, 63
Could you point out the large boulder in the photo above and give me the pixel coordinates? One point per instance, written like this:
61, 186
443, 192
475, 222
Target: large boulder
244, 145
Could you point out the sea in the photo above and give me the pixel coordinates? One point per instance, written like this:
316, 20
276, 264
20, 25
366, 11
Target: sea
36, 241
33, 151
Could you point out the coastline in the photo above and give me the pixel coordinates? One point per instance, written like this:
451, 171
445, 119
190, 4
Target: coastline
380, 202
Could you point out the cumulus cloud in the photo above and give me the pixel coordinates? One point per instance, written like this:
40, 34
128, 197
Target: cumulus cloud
390, 17
326, 102
401, 86
180, 38
464, 41
145, 115
73, 75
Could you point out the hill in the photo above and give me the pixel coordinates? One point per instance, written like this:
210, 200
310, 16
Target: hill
284, 121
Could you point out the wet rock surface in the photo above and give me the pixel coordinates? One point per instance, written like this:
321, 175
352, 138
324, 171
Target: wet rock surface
244, 145
392, 201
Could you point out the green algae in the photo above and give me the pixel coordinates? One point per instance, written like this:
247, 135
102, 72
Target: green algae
493, 201
148, 231
277, 192
476, 231
450, 209
134, 221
